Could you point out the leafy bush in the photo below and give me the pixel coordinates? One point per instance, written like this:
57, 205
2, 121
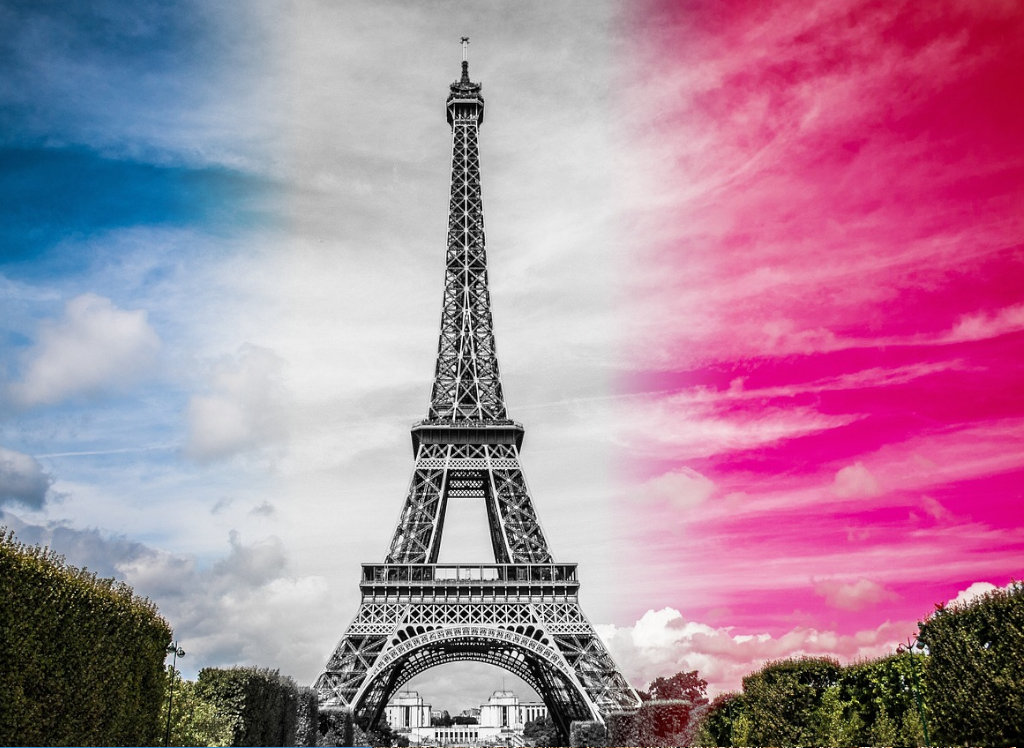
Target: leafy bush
783, 698
336, 727
81, 658
261, 703
669, 722
718, 726
307, 718
587, 733
194, 720
621, 728
542, 731
974, 678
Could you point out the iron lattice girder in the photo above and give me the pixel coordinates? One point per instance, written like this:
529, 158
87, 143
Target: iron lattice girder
547, 641
467, 385
516, 534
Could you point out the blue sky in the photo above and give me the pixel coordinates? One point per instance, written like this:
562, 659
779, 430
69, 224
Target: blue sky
221, 237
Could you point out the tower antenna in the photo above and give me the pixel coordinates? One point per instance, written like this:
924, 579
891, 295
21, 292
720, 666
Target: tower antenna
465, 49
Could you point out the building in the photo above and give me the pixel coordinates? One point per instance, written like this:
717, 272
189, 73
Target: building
504, 710
501, 721
406, 711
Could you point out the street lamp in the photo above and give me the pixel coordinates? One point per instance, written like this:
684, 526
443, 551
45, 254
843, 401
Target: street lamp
172, 649
909, 648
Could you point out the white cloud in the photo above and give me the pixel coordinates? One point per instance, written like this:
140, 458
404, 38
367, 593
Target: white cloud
685, 488
855, 595
93, 348
972, 593
855, 481
22, 479
244, 410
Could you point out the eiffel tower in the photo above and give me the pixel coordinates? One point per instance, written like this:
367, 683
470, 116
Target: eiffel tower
520, 613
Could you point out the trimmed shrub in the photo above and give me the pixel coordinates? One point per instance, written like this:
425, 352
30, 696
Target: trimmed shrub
974, 676
261, 703
81, 658
587, 733
336, 727
667, 722
307, 718
621, 728
783, 700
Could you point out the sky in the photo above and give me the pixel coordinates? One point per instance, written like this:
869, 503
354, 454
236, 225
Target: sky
756, 275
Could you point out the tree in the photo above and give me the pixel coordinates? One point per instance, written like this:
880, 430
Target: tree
382, 735
542, 732
672, 710
194, 720
680, 687
445, 720
718, 725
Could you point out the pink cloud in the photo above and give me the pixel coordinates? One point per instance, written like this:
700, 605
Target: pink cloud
855, 481
856, 595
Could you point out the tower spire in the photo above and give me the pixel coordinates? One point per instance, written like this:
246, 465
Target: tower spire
465, 61
467, 385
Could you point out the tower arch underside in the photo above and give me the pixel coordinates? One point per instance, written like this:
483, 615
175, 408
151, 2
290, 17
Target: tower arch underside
534, 663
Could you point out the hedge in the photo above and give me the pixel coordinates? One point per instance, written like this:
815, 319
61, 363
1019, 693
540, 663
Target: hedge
965, 683
974, 674
81, 658
262, 703
307, 720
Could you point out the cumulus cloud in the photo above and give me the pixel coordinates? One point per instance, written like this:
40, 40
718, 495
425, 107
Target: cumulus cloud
972, 593
244, 408
856, 595
684, 488
22, 479
237, 610
855, 481
663, 642
93, 348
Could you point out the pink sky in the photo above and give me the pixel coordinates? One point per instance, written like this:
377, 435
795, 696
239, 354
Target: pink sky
825, 428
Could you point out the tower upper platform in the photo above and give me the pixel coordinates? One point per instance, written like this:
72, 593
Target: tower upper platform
465, 101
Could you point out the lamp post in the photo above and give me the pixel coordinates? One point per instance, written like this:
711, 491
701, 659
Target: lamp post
909, 648
172, 649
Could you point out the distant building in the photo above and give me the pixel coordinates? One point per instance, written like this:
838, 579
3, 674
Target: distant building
501, 720
406, 711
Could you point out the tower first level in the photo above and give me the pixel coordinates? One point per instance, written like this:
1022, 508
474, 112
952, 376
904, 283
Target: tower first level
522, 611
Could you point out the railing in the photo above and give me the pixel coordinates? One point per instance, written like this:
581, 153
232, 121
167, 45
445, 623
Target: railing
434, 574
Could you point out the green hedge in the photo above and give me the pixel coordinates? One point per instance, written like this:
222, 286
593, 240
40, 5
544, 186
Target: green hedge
965, 683
814, 701
587, 733
262, 703
81, 658
974, 678
307, 719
